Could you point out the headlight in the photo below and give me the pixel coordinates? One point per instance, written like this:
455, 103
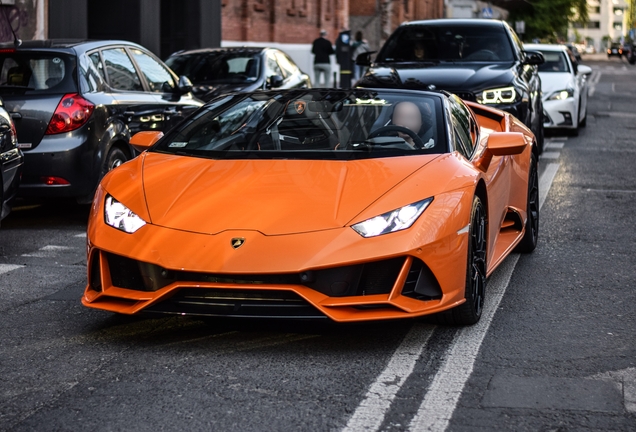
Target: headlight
497, 96
396, 220
119, 216
562, 94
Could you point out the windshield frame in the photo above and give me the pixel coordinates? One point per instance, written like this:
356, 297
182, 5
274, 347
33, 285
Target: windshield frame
222, 103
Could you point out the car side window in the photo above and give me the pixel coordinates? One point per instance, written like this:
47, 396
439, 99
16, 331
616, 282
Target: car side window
271, 65
120, 70
97, 62
286, 64
463, 124
156, 75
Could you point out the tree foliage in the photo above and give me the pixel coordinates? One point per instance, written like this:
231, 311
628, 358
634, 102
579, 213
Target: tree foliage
546, 19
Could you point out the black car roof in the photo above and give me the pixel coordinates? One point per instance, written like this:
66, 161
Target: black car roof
247, 50
66, 45
454, 21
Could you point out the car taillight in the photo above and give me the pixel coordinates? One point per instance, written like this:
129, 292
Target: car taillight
54, 181
71, 113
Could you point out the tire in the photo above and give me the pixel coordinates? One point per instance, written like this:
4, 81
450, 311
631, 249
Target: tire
583, 121
115, 157
470, 311
541, 135
530, 238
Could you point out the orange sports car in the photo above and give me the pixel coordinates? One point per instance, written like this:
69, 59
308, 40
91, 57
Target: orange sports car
351, 205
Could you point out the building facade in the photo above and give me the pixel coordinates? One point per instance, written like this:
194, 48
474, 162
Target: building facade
608, 21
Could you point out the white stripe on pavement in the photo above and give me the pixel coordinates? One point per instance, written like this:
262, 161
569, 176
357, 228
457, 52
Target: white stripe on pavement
446, 388
550, 155
5, 268
554, 145
545, 182
371, 411
47, 251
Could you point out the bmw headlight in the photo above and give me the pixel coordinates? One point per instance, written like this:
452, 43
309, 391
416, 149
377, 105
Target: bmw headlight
562, 94
498, 96
119, 216
396, 220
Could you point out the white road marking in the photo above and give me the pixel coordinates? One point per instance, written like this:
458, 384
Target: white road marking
6, 268
596, 76
47, 251
550, 155
617, 114
626, 377
82, 235
371, 411
554, 145
446, 388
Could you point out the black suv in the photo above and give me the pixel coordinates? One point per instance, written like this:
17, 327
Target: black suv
478, 60
75, 105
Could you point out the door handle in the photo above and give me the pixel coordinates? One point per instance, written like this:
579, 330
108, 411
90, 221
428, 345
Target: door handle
129, 113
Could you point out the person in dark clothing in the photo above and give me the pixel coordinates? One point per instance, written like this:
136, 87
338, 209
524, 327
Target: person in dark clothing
322, 50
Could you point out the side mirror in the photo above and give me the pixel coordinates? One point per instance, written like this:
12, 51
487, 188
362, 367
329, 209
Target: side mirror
364, 59
274, 81
501, 144
533, 58
142, 141
585, 70
185, 85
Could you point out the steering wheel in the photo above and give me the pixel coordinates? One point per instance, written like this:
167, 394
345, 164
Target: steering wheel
417, 141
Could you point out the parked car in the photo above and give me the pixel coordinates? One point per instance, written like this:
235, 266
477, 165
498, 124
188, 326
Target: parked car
75, 105
564, 84
615, 49
220, 70
11, 162
631, 54
353, 205
478, 60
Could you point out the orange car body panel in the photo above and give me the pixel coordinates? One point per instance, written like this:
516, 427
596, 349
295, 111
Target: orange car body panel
296, 215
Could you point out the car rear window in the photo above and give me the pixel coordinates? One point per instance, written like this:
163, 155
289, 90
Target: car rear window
554, 62
36, 72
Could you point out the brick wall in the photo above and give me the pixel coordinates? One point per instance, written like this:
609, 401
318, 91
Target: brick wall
284, 21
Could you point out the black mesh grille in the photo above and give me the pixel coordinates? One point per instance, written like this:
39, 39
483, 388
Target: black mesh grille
238, 303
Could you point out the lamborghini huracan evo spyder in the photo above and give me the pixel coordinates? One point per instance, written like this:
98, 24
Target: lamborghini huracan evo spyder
353, 205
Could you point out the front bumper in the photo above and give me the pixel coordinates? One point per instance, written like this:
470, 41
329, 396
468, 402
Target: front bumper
560, 114
332, 273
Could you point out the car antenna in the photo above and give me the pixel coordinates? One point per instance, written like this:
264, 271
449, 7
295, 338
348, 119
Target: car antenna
16, 41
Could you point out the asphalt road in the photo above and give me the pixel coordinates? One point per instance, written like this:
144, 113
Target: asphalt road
556, 349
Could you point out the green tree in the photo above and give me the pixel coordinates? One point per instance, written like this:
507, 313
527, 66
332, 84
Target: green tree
546, 19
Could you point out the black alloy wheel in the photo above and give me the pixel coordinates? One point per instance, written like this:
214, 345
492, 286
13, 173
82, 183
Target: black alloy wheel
531, 237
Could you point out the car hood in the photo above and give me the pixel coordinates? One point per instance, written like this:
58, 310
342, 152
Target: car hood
555, 81
274, 197
207, 92
453, 77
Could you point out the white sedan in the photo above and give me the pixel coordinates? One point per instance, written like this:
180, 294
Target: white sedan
564, 87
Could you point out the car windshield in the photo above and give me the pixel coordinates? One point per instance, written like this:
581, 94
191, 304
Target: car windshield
455, 43
222, 67
37, 73
312, 124
555, 61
